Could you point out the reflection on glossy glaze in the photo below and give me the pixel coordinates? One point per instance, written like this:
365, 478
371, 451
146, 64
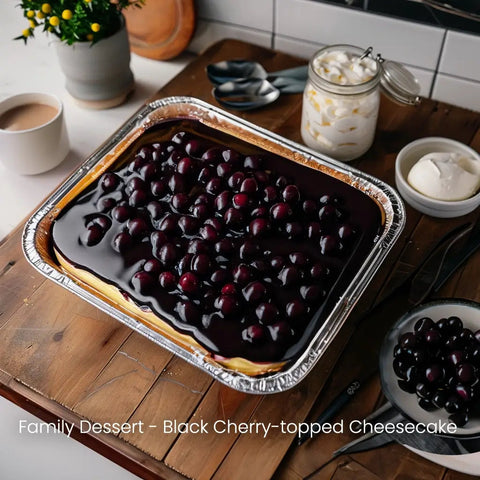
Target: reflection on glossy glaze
243, 249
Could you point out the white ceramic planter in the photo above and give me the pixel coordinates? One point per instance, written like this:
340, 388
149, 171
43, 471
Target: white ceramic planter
98, 75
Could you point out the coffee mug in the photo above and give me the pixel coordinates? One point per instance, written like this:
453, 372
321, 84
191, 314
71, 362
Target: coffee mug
33, 134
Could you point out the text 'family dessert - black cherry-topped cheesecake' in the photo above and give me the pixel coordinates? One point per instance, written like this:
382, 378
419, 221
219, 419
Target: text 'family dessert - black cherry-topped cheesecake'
217, 244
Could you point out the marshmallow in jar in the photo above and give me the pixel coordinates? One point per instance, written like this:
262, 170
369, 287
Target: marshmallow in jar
342, 97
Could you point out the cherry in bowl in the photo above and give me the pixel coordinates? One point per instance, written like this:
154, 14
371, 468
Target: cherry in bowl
428, 366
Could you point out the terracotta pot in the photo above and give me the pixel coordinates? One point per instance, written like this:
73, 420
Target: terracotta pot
98, 75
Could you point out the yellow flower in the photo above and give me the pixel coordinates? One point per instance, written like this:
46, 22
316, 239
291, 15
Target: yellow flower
88, 1
90, 36
32, 23
95, 27
46, 8
26, 32
54, 21
30, 14
40, 15
67, 14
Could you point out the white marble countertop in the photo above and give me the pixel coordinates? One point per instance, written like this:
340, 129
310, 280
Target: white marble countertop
34, 68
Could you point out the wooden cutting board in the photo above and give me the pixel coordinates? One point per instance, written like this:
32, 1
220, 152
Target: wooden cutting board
161, 29
62, 358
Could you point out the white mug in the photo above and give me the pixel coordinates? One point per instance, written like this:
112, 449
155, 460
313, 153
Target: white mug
34, 145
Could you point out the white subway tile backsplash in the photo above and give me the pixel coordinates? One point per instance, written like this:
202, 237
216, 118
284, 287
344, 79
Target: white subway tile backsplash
249, 13
305, 50
425, 79
301, 27
208, 32
461, 55
293, 46
400, 40
457, 91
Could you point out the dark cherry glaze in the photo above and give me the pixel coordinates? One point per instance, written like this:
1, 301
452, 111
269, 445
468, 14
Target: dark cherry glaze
217, 240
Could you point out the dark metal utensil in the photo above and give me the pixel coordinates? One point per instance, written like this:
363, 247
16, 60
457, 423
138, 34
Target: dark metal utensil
438, 266
231, 70
344, 397
251, 93
245, 94
429, 277
455, 261
245, 85
424, 279
422, 441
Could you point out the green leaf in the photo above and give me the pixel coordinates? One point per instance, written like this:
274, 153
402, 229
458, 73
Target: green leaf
78, 27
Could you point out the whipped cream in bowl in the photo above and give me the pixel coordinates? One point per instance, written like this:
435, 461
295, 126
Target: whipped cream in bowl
439, 176
447, 176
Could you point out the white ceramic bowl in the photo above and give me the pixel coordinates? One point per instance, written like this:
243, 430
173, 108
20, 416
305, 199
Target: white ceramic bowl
409, 155
469, 313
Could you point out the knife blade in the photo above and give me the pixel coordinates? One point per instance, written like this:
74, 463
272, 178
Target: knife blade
369, 440
426, 442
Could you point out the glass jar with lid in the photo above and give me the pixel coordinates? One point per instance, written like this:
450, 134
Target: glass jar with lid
342, 98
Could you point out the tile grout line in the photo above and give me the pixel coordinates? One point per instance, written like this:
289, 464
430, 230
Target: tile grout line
274, 21
437, 66
239, 26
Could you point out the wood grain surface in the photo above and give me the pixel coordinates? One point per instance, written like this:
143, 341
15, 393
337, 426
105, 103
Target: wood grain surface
62, 358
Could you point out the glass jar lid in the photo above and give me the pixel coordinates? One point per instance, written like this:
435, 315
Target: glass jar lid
398, 83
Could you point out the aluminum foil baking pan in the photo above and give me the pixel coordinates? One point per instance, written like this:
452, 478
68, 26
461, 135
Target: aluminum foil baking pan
37, 234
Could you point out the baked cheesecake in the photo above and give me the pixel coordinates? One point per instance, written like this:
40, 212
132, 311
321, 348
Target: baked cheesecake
224, 248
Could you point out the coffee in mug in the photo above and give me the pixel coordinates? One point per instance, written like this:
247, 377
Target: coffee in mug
33, 134
25, 117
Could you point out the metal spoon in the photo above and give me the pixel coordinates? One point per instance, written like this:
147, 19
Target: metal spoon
245, 94
231, 70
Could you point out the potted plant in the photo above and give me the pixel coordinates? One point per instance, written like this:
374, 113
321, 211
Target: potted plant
91, 43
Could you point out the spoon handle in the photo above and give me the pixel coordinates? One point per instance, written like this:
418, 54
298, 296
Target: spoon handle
299, 73
288, 85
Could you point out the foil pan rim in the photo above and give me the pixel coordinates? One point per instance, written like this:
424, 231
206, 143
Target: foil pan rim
277, 382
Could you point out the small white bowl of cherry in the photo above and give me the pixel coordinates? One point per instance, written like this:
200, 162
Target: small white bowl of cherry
430, 364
